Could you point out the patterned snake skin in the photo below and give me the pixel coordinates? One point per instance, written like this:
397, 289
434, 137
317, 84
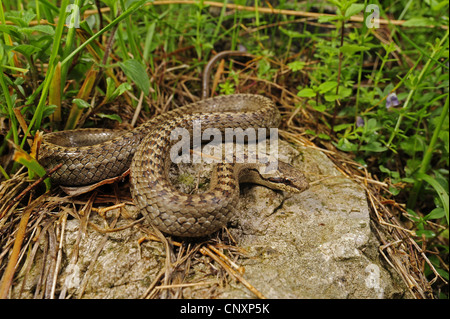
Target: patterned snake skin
92, 155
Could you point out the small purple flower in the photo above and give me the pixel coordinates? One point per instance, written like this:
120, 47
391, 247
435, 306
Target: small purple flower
392, 100
359, 121
242, 48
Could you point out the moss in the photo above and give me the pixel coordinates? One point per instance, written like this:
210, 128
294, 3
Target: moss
186, 179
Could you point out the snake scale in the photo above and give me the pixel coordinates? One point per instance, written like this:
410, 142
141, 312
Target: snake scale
92, 155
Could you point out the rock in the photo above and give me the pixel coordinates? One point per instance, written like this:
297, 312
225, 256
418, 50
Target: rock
317, 244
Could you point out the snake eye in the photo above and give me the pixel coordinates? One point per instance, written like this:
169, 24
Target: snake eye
282, 180
277, 179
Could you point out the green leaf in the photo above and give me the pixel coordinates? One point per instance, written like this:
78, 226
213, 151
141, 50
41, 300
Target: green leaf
12, 30
436, 213
331, 97
354, 8
374, 147
21, 18
384, 169
109, 3
38, 28
227, 88
32, 164
320, 107
353, 48
413, 215
371, 126
438, 6
341, 127
324, 136
325, 19
264, 69
395, 191
307, 92
291, 33
343, 93
135, 70
121, 89
82, 104
47, 29
110, 87
427, 233
112, 92
346, 146
443, 195
327, 86
114, 117
49, 109
408, 180
26, 49
296, 65
442, 272
393, 174
413, 144
419, 22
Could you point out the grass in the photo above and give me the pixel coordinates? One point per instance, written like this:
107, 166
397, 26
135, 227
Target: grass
376, 96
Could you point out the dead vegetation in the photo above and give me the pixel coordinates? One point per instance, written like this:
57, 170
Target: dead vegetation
34, 221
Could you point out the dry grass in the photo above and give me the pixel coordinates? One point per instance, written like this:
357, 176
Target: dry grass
32, 219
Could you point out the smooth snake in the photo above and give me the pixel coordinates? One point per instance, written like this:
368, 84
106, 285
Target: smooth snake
91, 155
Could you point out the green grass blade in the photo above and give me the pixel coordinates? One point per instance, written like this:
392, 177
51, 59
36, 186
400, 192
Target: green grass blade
135, 6
37, 118
32, 164
427, 158
443, 195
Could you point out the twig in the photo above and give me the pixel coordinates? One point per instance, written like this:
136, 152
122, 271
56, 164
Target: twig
240, 269
314, 15
29, 188
12, 263
231, 271
51, 262
212, 61
191, 284
153, 284
59, 256
102, 211
138, 110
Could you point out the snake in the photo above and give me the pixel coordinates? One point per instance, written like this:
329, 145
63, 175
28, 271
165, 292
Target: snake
91, 155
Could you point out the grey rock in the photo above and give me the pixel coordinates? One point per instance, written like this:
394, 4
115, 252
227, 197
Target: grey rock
317, 244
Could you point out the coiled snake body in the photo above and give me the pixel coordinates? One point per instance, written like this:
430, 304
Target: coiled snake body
91, 155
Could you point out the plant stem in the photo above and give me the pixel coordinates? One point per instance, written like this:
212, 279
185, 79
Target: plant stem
364, 32
336, 102
416, 86
10, 107
131, 34
428, 156
37, 118
130, 10
70, 39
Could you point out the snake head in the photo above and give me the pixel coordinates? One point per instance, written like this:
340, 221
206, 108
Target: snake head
285, 177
